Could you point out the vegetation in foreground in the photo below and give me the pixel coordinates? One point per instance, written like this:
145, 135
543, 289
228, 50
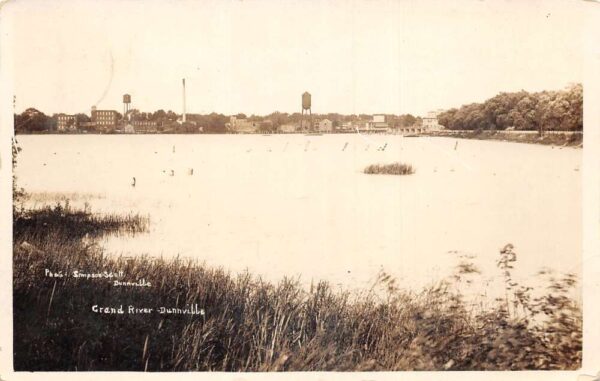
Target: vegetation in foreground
252, 325
75, 223
389, 169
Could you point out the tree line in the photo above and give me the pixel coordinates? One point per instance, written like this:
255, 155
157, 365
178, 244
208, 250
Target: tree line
35, 121
541, 111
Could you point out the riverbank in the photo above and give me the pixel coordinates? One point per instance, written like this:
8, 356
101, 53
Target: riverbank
554, 138
175, 315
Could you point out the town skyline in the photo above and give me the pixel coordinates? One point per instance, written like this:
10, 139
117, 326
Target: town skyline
560, 110
341, 59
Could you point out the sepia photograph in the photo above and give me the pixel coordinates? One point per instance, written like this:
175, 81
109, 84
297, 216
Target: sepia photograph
299, 186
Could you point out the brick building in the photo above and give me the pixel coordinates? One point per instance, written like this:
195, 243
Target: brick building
104, 119
66, 122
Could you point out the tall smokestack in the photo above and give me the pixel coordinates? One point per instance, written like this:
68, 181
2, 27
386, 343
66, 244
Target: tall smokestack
183, 117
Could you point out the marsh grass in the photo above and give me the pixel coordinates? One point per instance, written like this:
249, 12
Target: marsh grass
254, 325
389, 169
75, 223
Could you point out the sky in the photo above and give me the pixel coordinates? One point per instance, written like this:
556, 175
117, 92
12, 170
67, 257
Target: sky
259, 56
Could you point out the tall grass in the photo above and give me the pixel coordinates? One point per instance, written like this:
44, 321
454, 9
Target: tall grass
389, 169
72, 223
253, 325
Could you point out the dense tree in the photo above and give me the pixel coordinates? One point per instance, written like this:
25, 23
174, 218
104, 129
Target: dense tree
448, 119
32, 121
266, 127
159, 116
211, 123
277, 119
82, 118
407, 120
541, 111
171, 116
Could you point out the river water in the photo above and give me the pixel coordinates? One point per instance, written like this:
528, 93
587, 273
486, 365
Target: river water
295, 205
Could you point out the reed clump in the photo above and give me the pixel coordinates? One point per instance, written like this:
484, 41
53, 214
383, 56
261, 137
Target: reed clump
73, 223
253, 325
389, 169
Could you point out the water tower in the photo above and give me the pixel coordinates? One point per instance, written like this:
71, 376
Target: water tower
126, 103
306, 108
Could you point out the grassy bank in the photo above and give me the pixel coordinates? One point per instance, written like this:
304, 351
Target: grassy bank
252, 325
555, 139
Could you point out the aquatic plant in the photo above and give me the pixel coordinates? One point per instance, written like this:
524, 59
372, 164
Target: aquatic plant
389, 169
74, 223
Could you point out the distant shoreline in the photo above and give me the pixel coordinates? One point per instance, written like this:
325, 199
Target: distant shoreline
555, 138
